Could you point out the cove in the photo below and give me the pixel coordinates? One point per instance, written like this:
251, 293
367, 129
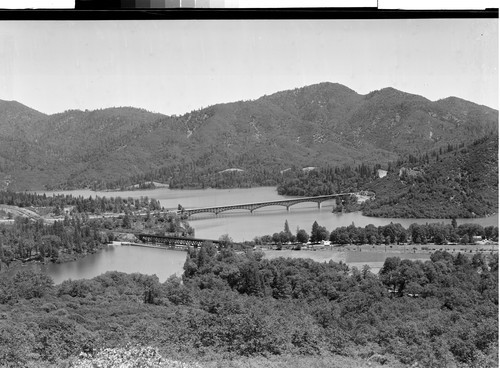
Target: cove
150, 261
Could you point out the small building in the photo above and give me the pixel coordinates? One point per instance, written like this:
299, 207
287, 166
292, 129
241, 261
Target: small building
381, 173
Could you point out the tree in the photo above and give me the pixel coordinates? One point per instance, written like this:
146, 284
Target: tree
284, 237
205, 255
465, 239
126, 222
225, 240
287, 228
322, 233
302, 236
365, 271
281, 288
388, 274
251, 280
491, 233
344, 238
439, 236
152, 290
318, 233
314, 232
29, 284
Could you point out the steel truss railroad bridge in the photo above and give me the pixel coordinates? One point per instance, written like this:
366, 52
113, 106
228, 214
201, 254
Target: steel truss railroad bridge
253, 206
175, 240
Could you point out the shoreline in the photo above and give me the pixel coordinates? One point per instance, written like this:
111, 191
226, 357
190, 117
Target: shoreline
187, 189
430, 218
19, 264
352, 255
397, 248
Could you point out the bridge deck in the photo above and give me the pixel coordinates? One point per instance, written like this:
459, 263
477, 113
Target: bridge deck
256, 205
279, 201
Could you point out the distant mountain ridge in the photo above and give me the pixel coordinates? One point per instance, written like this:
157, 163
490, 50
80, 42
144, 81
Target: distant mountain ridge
322, 124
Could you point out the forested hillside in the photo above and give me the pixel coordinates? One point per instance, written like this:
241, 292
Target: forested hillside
63, 228
454, 183
327, 180
316, 126
242, 310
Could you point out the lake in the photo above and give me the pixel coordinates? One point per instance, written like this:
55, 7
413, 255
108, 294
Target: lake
240, 225
150, 261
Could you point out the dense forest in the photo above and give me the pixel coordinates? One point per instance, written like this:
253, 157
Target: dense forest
241, 309
327, 180
292, 181
455, 181
92, 205
77, 235
459, 183
29, 240
198, 177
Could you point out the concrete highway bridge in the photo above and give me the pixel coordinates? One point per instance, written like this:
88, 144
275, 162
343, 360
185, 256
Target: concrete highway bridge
175, 240
253, 206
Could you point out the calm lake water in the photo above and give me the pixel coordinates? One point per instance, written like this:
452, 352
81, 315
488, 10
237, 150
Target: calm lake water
240, 225
150, 261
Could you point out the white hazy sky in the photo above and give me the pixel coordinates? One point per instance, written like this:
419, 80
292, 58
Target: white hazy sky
174, 67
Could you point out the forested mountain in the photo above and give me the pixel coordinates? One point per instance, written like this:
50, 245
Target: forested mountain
18, 150
17, 120
456, 183
320, 125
